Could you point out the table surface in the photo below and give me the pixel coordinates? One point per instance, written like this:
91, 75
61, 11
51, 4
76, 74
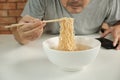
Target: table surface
29, 62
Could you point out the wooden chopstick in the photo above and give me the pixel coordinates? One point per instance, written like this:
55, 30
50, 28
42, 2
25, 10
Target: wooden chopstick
14, 25
20, 24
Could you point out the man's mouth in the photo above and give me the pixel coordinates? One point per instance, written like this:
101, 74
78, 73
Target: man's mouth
75, 4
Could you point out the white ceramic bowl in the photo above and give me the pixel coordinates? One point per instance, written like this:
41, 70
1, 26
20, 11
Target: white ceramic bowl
72, 60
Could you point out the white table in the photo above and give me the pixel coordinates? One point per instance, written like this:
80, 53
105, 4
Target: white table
29, 62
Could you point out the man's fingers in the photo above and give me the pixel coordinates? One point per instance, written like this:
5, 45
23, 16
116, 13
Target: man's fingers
118, 47
31, 31
115, 41
105, 33
26, 19
30, 26
116, 37
33, 34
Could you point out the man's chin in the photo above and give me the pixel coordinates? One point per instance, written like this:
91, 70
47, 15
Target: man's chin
76, 10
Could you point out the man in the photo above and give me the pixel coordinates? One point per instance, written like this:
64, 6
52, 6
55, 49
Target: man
89, 15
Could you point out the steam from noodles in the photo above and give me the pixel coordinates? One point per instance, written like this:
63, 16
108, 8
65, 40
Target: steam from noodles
67, 37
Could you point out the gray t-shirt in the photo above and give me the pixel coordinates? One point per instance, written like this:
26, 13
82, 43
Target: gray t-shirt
86, 22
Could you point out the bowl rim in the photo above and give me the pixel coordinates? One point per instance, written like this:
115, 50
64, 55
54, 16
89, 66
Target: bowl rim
72, 51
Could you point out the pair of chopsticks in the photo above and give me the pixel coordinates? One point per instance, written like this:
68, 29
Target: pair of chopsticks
46, 21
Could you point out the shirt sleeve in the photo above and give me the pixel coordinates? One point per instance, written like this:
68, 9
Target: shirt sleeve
35, 8
114, 15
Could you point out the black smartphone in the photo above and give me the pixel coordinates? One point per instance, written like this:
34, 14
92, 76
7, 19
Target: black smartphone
106, 43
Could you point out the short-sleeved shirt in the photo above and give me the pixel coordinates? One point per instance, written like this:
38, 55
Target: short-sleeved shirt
88, 21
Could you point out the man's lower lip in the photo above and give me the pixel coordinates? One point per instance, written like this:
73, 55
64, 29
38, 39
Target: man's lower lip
75, 7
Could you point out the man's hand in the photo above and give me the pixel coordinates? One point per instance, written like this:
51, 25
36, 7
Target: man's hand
31, 30
115, 31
